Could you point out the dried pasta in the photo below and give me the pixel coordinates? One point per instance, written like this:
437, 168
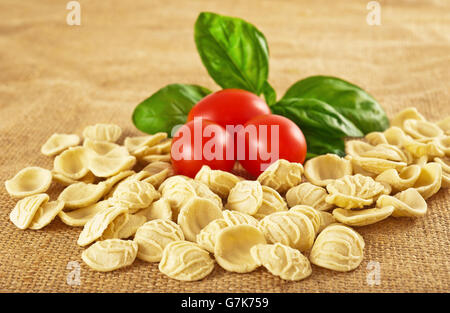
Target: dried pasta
219, 182
246, 196
109, 255
57, 143
308, 194
362, 217
282, 175
29, 181
103, 132
324, 169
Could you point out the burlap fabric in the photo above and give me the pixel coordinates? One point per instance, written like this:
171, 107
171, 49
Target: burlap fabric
59, 78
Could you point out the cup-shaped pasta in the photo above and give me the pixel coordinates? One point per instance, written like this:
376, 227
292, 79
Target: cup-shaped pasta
124, 226
81, 195
72, 163
45, 214
271, 202
444, 144
134, 195
155, 158
362, 217
386, 152
357, 147
246, 196
79, 217
395, 136
177, 190
418, 129
196, 214
158, 171
308, 194
324, 169
407, 203
355, 191
282, 261
313, 214
162, 147
420, 149
282, 175
29, 181
89, 178
400, 181
375, 138
159, 209
219, 182
57, 143
203, 191
95, 227
444, 125
104, 166
406, 114
376, 165
104, 148
430, 179
109, 255
208, 235
232, 248
293, 229
154, 236
445, 164
136, 145
103, 132
234, 218
186, 261
326, 219
338, 248
23, 213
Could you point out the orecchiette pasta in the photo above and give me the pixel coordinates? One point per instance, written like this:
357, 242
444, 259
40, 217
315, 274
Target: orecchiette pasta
109, 255
445, 164
207, 237
81, 195
154, 236
23, 213
104, 149
418, 129
400, 181
282, 261
102, 132
72, 163
246, 196
355, 191
406, 114
79, 217
338, 248
282, 175
123, 226
271, 202
326, 219
159, 209
232, 248
362, 217
58, 143
203, 191
376, 165
419, 149
196, 214
158, 171
323, 169
156, 158
407, 203
29, 181
89, 178
104, 166
46, 213
219, 182
177, 190
137, 145
429, 180
308, 194
234, 218
134, 195
187, 261
445, 125
314, 215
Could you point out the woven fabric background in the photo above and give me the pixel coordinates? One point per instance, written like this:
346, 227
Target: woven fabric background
60, 78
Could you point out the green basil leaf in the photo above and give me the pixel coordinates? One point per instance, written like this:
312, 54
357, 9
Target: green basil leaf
167, 108
270, 95
317, 145
316, 117
349, 100
234, 52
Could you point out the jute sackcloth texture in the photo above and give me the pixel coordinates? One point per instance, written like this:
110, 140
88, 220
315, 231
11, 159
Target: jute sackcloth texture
60, 78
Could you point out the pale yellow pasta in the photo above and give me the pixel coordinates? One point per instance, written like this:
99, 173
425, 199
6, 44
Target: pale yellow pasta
418, 129
136, 145
95, 227
114, 181
246, 196
207, 237
110, 255
395, 136
376, 165
323, 169
362, 217
156, 158
326, 219
386, 152
232, 248
203, 191
79, 217
186, 261
158, 171
375, 138
444, 144
308, 194
445, 125
407, 203
219, 182
159, 209
57, 143
29, 181
430, 179
293, 229
104, 166
406, 114
23, 213
400, 181
282, 175
134, 195
102, 132
154, 236
338, 248
195, 214
104, 149
45, 214
313, 214
89, 178
355, 191
282, 261
81, 195
234, 218
161, 148
271, 202
445, 164
72, 163
177, 190
357, 147
419, 149
123, 226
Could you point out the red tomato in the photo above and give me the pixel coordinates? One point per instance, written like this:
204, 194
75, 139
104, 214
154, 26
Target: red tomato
201, 142
268, 146
229, 107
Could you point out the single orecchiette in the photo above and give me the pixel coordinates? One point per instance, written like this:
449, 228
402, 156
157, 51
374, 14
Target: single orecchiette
445, 164
134, 195
272, 202
323, 169
29, 181
282, 175
308, 194
58, 143
362, 217
46, 213
72, 163
376, 165
187, 261
246, 196
102, 132
338, 248
79, 217
429, 180
137, 145
406, 114
159, 209
313, 214
123, 226
407, 203
234, 218
418, 129
232, 248
208, 235
326, 219
158, 171
355, 191
23, 213
81, 195
282, 261
445, 125
400, 181
218, 181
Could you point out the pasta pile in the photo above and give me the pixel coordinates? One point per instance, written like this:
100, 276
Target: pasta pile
280, 221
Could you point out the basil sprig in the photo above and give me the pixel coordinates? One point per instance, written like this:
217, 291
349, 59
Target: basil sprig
236, 55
